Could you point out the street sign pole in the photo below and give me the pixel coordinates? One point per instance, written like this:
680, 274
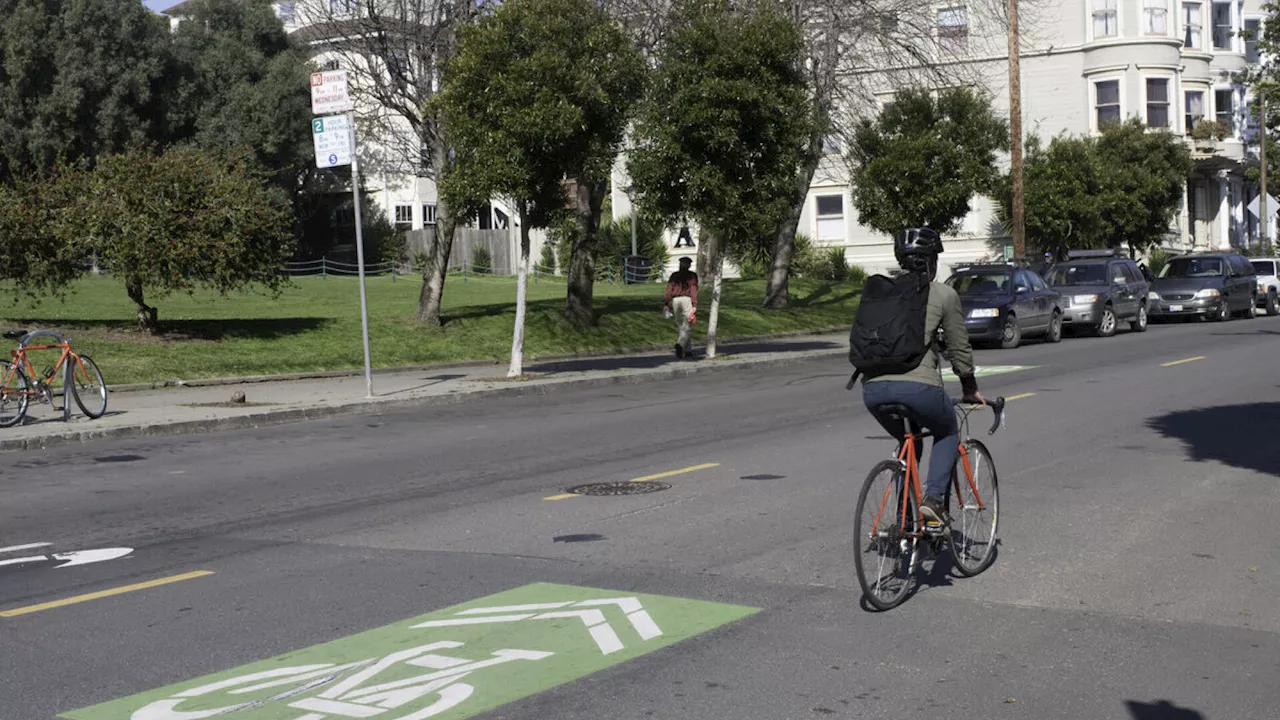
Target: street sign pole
364, 304
335, 144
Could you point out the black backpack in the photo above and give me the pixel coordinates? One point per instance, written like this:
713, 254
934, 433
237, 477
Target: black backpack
888, 336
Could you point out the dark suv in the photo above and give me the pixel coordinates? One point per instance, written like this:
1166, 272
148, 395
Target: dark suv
1003, 303
1205, 285
1099, 290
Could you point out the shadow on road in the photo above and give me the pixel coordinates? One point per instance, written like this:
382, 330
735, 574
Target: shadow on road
1161, 710
1238, 435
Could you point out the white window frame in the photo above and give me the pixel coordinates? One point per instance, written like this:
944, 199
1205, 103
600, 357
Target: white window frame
428, 214
288, 12
1149, 7
406, 223
341, 8
1244, 41
1232, 134
1170, 95
1091, 12
1117, 78
829, 220
1233, 18
1206, 102
1184, 26
958, 45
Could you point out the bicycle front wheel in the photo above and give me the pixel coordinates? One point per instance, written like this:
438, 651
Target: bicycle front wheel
15, 394
88, 387
974, 509
885, 543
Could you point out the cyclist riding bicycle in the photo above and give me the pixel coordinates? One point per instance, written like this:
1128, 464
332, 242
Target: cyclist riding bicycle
921, 390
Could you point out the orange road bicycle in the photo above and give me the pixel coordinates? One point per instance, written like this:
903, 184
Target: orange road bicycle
72, 376
889, 531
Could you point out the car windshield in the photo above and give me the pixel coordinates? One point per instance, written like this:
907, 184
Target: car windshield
1095, 274
993, 283
1194, 267
1263, 267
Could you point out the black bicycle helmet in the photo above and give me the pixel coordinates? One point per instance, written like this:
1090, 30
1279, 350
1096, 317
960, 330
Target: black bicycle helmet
916, 247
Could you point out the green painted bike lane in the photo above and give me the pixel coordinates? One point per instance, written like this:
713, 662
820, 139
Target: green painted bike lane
449, 664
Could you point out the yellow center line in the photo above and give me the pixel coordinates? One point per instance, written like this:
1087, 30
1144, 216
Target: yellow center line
1179, 362
15, 612
1019, 397
646, 478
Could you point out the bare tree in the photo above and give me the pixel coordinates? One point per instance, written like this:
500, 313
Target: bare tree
394, 52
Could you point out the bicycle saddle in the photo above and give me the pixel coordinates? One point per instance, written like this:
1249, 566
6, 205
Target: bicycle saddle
895, 411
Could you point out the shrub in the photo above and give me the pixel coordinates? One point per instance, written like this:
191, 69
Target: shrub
481, 260
807, 261
839, 264
1156, 261
858, 274
547, 263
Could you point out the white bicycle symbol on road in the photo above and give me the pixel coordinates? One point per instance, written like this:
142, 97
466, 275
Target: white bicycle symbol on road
349, 696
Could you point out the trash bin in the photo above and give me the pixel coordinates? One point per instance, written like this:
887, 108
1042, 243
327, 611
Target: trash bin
636, 269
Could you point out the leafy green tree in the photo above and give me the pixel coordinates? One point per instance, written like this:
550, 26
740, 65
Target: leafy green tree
536, 94
243, 83
79, 78
1120, 188
924, 158
187, 218
41, 248
723, 126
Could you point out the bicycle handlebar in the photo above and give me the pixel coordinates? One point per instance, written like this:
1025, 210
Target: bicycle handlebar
997, 407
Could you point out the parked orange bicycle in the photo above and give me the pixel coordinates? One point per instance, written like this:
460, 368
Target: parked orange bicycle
72, 376
889, 531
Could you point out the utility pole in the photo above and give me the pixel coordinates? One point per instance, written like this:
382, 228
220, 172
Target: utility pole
1015, 131
1262, 153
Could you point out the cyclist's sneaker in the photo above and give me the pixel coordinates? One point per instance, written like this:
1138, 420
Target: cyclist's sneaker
679, 351
932, 511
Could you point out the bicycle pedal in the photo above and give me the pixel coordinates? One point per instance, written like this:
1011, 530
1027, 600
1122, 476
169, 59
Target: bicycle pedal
934, 528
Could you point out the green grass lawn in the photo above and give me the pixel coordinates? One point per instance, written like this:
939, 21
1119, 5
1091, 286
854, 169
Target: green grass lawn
315, 324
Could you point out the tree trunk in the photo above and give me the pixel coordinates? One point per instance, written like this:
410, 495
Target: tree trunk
522, 288
777, 285
148, 318
717, 273
588, 198
441, 245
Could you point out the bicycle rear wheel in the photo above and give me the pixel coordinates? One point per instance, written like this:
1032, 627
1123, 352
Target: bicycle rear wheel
974, 510
885, 548
88, 387
15, 394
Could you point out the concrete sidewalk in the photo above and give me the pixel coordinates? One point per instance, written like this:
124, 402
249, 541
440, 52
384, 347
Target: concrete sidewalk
205, 405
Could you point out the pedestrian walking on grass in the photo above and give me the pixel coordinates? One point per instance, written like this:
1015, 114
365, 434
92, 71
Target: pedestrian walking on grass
681, 300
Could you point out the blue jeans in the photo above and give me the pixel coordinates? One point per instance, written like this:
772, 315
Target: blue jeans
932, 408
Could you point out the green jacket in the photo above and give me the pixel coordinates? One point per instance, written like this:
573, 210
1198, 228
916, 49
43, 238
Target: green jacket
946, 313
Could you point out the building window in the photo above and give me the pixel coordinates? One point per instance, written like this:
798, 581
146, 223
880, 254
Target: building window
1155, 17
1252, 28
1222, 29
1193, 25
953, 29
404, 217
830, 217
288, 12
1194, 108
1158, 102
831, 145
1106, 101
428, 213
1224, 108
330, 65
1104, 19
344, 216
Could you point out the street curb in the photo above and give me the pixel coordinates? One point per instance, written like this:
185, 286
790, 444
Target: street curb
529, 359
373, 407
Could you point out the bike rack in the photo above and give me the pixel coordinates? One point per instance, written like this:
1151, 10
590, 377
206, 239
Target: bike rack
67, 372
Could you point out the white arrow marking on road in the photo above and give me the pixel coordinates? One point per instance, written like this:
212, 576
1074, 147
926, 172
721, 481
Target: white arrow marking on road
597, 624
29, 546
73, 558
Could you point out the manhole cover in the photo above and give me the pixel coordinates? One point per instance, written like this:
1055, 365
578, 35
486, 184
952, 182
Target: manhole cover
619, 488
118, 458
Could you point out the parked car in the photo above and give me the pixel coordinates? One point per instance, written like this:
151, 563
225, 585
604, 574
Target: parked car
1205, 285
1268, 283
1100, 290
1003, 304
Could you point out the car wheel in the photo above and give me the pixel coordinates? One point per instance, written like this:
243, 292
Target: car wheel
1107, 326
1140, 324
1012, 333
1223, 313
1055, 328
1272, 310
1252, 311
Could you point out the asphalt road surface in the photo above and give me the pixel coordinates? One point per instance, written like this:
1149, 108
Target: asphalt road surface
1136, 579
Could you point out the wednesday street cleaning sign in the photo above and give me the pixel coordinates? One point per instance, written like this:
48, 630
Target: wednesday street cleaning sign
450, 664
